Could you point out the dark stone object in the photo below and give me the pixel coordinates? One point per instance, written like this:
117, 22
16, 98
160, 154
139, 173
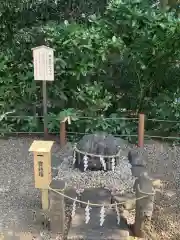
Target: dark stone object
96, 195
57, 210
110, 229
93, 163
57, 184
137, 170
136, 157
71, 192
144, 188
144, 203
128, 205
99, 143
137, 162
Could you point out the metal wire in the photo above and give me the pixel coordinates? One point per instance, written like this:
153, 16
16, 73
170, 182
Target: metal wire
85, 133
161, 120
104, 118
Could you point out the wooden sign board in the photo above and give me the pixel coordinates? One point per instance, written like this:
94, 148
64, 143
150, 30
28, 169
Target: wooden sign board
43, 60
42, 163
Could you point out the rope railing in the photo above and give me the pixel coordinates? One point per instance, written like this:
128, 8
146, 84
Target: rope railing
63, 133
97, 155
61, 192
79, 117
104, 118
101, 205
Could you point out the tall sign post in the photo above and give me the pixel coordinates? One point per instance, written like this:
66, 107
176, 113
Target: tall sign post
43, 60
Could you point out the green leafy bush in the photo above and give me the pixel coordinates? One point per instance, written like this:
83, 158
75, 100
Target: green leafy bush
115, 58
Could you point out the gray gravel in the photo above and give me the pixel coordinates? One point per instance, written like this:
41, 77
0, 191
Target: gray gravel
121, 179
18, 197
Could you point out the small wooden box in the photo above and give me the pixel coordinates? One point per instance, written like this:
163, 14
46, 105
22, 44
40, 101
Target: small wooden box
42, 163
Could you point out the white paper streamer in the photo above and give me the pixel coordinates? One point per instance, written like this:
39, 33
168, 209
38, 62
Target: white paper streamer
102, 215
74, 208
85, 159
103, 162
118, 215
87, 213
113, 164
74, 157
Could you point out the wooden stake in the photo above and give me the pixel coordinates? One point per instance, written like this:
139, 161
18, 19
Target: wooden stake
63, 139
45, 199
63, 134
141, 130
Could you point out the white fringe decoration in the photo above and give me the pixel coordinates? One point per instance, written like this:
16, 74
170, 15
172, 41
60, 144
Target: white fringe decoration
85, 159
74, 208
118, 215
74, 156
113, 164
102, 215
103, 162
87, 213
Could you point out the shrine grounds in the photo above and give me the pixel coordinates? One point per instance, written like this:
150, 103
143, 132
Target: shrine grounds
19, 198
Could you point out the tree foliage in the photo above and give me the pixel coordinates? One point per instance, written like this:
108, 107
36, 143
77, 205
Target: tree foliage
110, 56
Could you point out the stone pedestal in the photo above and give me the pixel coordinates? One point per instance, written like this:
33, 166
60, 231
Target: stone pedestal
144, 204
57, 207
93, 231
96, 195
128, 200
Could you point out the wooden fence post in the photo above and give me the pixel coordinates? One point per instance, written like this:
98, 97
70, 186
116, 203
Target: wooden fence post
63, 139
141, 130
62, 133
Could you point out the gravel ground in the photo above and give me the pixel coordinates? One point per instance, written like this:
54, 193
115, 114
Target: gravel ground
121, 179
18, 197
166, 164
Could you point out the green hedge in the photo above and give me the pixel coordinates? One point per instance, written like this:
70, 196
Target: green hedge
120, 55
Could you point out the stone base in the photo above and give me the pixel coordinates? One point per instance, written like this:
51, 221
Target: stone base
96, 195
93, 230
128, 200
19, 236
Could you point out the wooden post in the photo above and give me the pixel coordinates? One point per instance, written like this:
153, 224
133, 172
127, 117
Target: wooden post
57, 207
141, 130
45, 109
45, 199
63, 139
62, 133
42, 168
43, 61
